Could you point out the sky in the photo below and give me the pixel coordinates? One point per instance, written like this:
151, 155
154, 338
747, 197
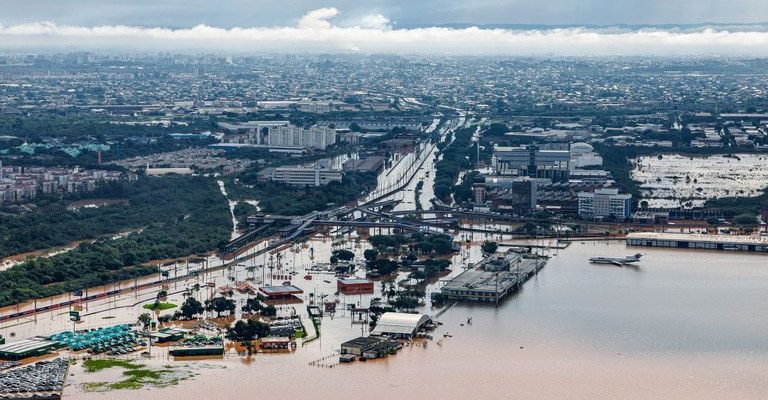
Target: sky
505, 27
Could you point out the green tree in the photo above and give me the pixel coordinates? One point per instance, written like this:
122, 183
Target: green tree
191, 308
220, 305
370, 254
145, 319
489, 247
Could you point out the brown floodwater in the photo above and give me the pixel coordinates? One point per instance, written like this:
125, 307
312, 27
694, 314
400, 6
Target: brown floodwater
681, 325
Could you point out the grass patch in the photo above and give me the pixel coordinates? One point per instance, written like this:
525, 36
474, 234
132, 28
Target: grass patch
159, 306
299, 334
98, 365
136, 376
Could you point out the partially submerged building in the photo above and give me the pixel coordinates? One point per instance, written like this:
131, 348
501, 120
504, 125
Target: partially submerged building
400, 325
369, 347
494, 278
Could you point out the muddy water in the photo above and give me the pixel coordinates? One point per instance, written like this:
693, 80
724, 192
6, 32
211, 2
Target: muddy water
682, 325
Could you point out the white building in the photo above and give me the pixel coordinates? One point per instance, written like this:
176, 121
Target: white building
400, 325
304, 176
318, 137
604, 203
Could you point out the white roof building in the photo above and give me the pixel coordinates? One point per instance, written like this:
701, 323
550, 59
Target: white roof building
400, 324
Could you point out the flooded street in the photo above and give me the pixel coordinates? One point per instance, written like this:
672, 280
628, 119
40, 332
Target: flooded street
666, 329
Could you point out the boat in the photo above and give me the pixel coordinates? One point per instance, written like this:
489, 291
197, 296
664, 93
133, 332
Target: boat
620, 261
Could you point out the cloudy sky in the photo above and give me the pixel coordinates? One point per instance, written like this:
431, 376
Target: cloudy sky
391, 26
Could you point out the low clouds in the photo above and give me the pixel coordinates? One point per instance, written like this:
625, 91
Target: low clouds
317, 31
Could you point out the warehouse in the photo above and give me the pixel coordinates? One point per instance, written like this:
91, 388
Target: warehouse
400, 325
26, 348
758, 244
354, 286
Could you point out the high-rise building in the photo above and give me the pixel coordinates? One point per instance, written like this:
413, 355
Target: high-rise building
605, 203
317, 137
478, 191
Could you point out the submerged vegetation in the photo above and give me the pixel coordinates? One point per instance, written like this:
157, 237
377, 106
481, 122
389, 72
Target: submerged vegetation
136, 376
190, 216
283, 199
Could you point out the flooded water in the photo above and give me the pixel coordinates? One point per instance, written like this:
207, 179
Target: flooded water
675, 179
681, 325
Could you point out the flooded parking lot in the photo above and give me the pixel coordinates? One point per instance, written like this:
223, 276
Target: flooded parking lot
670, 181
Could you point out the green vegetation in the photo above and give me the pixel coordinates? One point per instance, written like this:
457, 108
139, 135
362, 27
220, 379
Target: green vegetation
734, 206
248, 330
190, 216
489, 247
220, 305
136, 375
417, 195
342, 255
93, 365
253, 305
423, 243
135, 205
455, 159
191, 308
462, 193
410, 245
279, 198
242, 211
159, 306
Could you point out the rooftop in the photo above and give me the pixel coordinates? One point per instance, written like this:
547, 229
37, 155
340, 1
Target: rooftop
698, 237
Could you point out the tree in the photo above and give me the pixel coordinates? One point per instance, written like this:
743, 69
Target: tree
145, 319
269, 311
252, 305
191, 308
248, 330
344, 255
745, 219
441, 245
489, 248
370, 254
220, 305
425, 246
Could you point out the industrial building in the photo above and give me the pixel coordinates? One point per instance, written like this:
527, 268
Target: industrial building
516, 195
757, 244
532, 161
302, 176
250, 132
605, 203
26, 348
494, 278
369, 347
400, 325
368, 164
